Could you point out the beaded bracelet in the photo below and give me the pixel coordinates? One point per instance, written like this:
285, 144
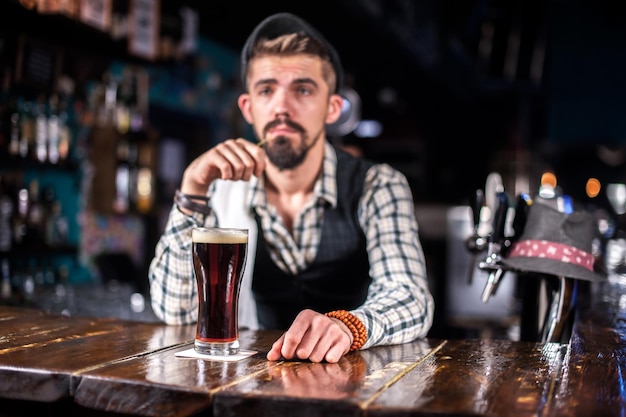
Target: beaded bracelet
359, 332
186, 201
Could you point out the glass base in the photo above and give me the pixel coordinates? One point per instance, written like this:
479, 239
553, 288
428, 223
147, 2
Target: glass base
217, 349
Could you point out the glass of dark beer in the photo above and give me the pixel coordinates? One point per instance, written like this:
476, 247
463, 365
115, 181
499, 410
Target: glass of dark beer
219, 257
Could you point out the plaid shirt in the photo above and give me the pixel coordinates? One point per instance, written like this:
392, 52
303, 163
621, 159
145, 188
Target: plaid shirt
399, 307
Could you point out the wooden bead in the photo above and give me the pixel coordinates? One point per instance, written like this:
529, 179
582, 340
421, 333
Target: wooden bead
357, 328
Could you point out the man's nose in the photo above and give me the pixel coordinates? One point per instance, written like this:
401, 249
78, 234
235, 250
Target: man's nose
281, 103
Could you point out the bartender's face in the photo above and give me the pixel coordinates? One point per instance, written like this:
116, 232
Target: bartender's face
288, 102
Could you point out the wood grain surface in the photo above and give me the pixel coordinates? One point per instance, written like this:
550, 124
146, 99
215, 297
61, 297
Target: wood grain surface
73, 366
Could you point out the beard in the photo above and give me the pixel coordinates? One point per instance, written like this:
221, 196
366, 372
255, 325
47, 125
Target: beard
282, 153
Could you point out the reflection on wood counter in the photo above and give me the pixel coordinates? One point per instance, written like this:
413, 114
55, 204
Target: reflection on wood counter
57, 365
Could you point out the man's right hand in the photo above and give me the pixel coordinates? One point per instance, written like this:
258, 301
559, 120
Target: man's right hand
233, 159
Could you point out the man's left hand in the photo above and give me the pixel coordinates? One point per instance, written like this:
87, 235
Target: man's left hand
313, 336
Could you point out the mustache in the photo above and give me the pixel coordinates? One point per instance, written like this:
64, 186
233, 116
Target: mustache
282, 121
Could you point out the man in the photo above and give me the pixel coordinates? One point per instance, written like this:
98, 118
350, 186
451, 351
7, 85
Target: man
334, 256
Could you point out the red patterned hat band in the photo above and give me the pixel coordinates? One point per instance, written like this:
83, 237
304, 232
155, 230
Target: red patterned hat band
552, 250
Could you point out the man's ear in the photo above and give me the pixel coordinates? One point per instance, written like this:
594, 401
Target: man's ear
335, 106
244, 105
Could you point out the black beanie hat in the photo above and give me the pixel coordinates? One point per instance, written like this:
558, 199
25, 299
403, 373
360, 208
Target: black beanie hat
281, 24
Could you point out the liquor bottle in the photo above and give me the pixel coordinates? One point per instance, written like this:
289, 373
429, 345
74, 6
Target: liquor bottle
53, 130
65, 131
123, 106
145, 179
97, 104
36, 215
27, 129
14, 131
110, 100
5, 111
57, 226
6, 213
6, 290
41, 131
49, 275
20, 219
133, 170
121, 204
136, 104
28, 284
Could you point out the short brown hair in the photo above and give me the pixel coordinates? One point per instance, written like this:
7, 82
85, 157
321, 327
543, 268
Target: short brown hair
295, 44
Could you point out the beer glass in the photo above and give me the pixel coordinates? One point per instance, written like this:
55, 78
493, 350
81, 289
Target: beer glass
219, 257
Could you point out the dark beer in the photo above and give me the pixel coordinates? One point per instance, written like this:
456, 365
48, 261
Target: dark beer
219, 257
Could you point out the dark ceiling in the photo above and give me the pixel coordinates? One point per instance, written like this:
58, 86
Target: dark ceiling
403, 56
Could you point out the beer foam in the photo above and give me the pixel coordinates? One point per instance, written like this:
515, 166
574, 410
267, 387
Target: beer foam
219, 235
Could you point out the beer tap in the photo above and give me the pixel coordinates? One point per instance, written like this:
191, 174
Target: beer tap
521, 209
476, 243
495, 246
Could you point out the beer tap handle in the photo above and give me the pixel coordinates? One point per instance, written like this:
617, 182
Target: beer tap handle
521, 210
496, 242
519, 221
477, 205
475, 243
499, 220
493, 186
492, 284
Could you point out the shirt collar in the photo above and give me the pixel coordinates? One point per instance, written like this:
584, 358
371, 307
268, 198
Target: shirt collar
325, 186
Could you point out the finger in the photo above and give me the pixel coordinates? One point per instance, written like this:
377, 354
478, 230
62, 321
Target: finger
320, 351
257, 153
200, 173
320, 338
249, 155
333, 343
334, 354
275, 352
293, 344
297, 342
234, 163
317, 334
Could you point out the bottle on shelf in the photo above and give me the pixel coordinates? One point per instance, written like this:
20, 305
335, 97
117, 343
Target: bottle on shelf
6, 291
20, 218
6, 213
108, 102
28, 284
27, 129
57, 226
15, 132
4, 116
54, 133
123, 106
36, 215
132, 158
121, 203
49, 274
64, 128
41, 130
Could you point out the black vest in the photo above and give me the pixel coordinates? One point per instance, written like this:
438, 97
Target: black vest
338, 278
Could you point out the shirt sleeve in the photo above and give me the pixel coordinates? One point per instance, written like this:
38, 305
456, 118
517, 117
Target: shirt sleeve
173, 288
399, 307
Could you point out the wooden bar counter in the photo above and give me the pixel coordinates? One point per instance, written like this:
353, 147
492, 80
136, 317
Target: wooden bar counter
76, 366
